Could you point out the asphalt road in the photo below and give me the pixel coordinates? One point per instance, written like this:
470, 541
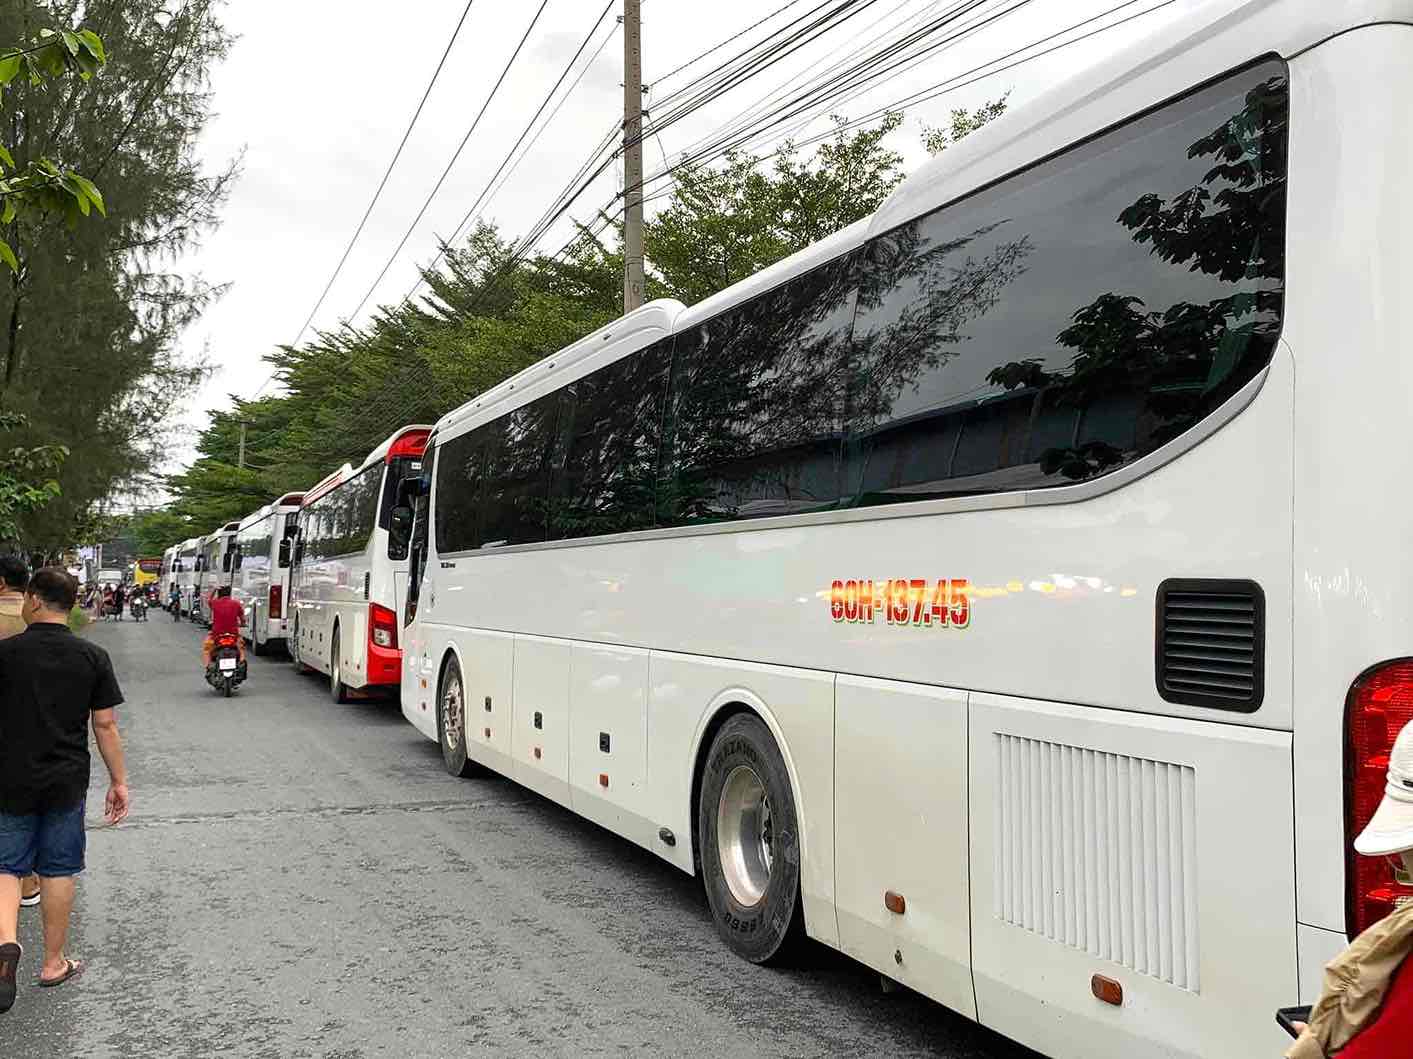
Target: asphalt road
303, 879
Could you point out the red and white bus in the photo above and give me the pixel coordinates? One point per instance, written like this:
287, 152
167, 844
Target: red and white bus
350, 570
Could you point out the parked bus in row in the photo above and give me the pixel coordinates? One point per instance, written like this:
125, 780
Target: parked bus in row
186, 575
215, 567
260, 580
350, 571
168, 575
983, 591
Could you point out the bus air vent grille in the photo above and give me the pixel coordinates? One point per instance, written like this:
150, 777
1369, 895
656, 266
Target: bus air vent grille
1098, 852
1211, 643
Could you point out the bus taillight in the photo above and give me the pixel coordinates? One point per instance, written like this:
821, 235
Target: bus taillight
277, 601
1380, 704
382, 625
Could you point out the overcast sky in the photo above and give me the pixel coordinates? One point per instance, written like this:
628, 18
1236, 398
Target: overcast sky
317, 93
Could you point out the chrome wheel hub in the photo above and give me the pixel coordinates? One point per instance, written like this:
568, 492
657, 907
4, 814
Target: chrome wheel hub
744, 835
451, 714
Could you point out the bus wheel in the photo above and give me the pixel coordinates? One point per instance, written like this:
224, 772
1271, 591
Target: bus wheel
750, 843
337, 691
451, 722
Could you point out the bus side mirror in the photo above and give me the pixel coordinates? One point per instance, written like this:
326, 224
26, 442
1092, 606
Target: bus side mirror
286, 550
399, 529
226, 562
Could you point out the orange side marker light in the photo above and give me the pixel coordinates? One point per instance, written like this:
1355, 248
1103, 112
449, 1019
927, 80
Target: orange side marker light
1107, 990
895, 903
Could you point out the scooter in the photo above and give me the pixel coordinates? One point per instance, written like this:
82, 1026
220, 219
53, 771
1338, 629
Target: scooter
138, 608
227, 671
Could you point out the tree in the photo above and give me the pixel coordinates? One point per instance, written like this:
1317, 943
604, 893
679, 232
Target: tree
101, 301
728, 222
962, 123
41, 187
155, 531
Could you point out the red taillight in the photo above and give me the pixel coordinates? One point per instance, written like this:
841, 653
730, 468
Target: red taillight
382, 626
277, 601
1380, 704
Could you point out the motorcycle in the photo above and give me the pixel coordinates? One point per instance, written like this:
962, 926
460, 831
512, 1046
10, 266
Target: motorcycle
138, 608
227, 671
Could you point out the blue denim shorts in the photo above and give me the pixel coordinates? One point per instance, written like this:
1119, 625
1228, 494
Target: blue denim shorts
50, 844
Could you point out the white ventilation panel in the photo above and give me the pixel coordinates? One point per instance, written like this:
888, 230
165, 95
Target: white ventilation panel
1098, 851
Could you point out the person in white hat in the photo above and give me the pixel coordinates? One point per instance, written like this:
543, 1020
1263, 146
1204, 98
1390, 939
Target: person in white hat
1365, 1010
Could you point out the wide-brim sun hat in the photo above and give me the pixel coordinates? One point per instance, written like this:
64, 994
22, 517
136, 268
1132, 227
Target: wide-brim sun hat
1391, 829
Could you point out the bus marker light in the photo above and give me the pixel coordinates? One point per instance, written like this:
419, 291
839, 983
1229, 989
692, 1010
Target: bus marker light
1107, 990
488, 733
668, 838
537, 753
603, 780
895, 903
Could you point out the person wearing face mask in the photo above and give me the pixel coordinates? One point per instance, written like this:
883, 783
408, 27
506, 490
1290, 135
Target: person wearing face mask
1365, 1010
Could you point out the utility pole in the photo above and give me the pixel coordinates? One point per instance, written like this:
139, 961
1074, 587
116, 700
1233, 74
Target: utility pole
240, 461
632, 155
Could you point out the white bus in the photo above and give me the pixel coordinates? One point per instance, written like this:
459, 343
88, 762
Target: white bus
260, 579
350, 571
214, 565
169, 573
1003, 591
186, 575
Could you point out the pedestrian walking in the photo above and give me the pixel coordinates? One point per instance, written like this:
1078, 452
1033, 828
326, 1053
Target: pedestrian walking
14, 579
52, 685
1365, 1010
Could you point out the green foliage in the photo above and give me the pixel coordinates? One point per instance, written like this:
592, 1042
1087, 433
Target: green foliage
726, 223
27, 479
40, 187
962, 123
155, 531
94, 312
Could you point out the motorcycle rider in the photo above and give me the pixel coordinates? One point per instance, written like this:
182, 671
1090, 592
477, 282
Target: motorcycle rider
227, 616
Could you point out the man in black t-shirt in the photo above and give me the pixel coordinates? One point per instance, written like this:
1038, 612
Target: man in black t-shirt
53, 684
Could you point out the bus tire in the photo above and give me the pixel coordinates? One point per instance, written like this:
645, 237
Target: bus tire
451, 723
750, 843
337, 690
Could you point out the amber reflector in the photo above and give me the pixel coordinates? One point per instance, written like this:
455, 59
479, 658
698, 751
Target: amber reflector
895, 903
1107, 990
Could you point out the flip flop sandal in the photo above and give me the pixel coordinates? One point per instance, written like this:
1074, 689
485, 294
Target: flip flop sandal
9, 963
29, 902
72, 969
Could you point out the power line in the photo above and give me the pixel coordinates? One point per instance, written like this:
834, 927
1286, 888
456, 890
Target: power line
456, 155
441, 252
386, 174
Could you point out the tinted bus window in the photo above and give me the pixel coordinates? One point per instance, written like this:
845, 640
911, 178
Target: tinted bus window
460, 467
1079, 315
756, 405
603, 476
